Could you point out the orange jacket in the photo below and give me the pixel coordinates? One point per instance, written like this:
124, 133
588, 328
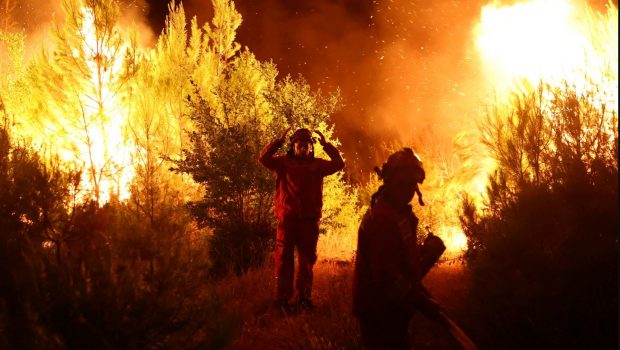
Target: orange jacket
386, 262
299, 184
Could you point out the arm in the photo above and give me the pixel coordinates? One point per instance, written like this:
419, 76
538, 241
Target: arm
267, 158
401, 284
335, 163
407, 229
420, 297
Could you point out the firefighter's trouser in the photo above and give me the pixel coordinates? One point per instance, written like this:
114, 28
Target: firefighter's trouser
301, 235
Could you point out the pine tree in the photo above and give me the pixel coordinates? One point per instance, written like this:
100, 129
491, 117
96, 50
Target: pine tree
12, 71
75, 92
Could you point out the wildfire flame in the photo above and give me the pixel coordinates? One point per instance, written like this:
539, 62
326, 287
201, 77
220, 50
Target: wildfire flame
554, 41
454, 239
107, 148
534, 40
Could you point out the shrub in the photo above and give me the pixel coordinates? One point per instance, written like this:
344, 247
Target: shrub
543, 254
77, 275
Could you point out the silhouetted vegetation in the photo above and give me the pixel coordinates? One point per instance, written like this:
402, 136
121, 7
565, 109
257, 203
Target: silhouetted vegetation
543, 254
76, 275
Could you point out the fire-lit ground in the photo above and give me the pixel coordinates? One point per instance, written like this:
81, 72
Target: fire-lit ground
331, 325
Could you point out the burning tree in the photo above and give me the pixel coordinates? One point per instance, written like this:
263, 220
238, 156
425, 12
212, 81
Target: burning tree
117, 113
75, 95
12, 70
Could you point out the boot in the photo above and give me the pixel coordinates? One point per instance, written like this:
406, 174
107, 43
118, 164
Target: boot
305, 304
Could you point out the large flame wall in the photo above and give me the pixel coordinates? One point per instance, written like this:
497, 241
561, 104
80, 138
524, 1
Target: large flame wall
418, 73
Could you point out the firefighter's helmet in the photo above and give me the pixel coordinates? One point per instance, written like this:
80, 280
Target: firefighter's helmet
401, 160
302, 134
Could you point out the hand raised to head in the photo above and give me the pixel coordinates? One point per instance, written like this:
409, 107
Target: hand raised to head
322, 140
283, 137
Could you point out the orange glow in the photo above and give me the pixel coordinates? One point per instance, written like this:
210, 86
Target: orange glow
109, 149
454, 239
549, 40
520, 45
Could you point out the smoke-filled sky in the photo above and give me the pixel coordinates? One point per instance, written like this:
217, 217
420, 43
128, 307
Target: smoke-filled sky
407, 69
404, 68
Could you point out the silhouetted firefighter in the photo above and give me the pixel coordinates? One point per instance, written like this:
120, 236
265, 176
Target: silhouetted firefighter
389, 264
298, 206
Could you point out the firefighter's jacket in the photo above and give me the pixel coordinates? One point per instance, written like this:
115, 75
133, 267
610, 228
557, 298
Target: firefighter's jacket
299, 184
387, 262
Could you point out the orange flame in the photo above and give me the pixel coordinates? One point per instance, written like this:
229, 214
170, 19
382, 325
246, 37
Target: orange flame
107, 147
552, 41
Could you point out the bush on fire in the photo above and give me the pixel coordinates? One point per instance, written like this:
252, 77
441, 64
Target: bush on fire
543, 254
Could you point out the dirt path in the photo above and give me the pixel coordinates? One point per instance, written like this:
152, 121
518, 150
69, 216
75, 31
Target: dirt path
330, 325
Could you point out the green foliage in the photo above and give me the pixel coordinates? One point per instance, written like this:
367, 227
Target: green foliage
238, 194
11, 71
222, 35
543, 254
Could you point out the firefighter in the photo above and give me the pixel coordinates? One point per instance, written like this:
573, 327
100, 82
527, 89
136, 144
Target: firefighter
387, 289
298, 205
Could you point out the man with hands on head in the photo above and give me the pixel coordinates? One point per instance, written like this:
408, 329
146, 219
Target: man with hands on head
298, 206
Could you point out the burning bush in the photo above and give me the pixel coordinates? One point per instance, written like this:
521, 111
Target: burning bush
543, 253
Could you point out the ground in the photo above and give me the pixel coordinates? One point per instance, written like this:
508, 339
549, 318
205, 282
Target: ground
330, 325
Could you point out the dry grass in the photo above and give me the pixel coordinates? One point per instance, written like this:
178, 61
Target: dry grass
330, 325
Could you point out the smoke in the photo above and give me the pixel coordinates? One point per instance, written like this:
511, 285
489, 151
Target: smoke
406, 69
429, 78
36, 19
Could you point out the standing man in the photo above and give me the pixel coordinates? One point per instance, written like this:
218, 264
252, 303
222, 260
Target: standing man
298, 204
386, 288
